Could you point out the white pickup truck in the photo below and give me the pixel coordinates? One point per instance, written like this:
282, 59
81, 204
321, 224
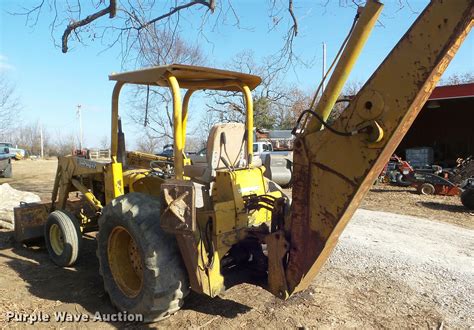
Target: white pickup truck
261, 147
15, 152
278, 164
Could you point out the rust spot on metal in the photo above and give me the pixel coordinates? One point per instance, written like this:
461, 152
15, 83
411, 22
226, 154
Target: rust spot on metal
339, 175
329, 218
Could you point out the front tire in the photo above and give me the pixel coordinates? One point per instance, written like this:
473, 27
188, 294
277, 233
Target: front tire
63, 238
427, 189
141, 265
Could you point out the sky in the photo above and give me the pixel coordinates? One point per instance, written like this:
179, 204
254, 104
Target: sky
51, 84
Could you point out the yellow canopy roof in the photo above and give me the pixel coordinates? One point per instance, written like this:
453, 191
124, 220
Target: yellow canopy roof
189, 77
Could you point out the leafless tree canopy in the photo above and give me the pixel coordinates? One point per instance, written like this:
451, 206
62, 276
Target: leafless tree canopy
149, 33
128, 23
151, 106
27, 136
9, 108
276, 104
149, 143
61, 144
458, 78
104, 142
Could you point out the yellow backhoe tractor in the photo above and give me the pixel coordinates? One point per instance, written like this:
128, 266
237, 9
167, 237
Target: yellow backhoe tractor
163, 230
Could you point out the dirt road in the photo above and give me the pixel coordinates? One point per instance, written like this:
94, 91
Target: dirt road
388, 271
33, 175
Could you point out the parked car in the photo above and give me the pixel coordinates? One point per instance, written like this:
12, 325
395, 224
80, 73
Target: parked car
5, 162
15, 152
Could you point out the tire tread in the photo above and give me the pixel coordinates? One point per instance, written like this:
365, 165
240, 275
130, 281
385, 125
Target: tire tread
162, 258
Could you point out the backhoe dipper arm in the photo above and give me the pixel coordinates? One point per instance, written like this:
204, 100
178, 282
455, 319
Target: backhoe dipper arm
333, 172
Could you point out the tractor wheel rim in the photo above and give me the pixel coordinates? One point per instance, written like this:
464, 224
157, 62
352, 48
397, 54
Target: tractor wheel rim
125, 262
56, 239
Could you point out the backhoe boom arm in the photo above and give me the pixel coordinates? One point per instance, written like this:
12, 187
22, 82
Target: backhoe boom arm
332, 172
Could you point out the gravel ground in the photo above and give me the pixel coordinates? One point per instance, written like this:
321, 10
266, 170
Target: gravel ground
433, 262
36, 176
388, 270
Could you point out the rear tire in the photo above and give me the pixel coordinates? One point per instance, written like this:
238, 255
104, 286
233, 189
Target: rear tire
427, 189
63, 238
141, 265
467, 198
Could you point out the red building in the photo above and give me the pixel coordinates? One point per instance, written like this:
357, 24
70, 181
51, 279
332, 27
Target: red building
446, 123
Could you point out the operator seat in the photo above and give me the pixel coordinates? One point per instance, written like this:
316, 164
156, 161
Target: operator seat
222, 137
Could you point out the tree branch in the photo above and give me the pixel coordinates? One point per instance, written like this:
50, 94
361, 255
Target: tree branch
211, 5
293, 17
111, 10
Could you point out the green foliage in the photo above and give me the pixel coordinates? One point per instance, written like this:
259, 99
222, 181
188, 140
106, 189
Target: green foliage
263, 118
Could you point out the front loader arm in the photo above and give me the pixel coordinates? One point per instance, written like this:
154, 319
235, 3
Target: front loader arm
332, 173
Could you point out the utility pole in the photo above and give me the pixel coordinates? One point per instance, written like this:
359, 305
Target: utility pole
323, 86
80, 125
41, 140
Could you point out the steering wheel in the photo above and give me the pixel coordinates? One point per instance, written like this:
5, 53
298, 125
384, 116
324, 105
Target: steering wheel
162, 167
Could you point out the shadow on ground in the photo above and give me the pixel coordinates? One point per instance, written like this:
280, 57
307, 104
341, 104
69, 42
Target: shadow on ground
82, 283
6, 239
383, 190
215, 306
444, 207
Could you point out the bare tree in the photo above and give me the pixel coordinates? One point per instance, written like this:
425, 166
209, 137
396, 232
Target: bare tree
230, 106
127, 23
149, 143
287, 114
201, 131
63, 144
28, 137
104, 142
275, 103
150, 105
458, 78
9, 108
